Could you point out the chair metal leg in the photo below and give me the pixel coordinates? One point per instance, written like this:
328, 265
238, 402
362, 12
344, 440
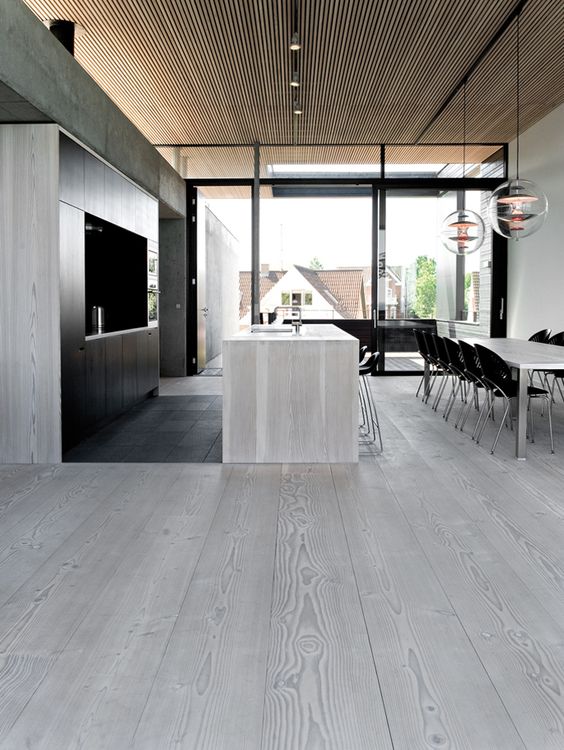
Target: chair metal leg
559, 388
444, 379
466, 412
457, 391
479, 433
463, 405
431, 385
549, 409
501, 423
451, 395
531, 421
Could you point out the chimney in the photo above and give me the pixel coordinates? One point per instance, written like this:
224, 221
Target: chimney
264, 269
64, 31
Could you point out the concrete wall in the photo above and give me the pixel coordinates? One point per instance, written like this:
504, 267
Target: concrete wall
41, 81
536, 263
172, 303
222, 284
38, 68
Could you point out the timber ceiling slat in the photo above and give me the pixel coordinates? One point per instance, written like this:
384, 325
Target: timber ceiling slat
372, 71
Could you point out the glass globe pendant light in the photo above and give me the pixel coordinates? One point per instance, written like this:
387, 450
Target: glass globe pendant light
517, 208
462, 232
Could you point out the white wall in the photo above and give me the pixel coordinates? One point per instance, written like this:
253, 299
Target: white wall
222, 284
535, 293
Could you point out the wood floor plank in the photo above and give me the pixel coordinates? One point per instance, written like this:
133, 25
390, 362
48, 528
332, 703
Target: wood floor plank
147, 622
530, 482
48, 516
119, 645
37, 622
433, 683
208, 691
322, 690
21, 490
513, 521
516, 640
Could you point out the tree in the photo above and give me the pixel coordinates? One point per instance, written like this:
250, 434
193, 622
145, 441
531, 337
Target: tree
467, 285
425, 287
316, 264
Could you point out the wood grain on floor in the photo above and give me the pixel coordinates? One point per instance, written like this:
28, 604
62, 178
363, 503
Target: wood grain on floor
412, 601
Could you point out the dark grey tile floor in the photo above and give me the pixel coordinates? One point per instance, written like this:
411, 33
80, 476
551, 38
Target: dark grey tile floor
162, 429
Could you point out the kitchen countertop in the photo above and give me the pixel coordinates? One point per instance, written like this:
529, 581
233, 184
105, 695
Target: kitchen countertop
316, 332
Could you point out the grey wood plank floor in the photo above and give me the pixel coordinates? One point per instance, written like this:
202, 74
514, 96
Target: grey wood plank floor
415, 600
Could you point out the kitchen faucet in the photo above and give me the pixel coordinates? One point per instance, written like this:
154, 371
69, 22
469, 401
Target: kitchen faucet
296, 322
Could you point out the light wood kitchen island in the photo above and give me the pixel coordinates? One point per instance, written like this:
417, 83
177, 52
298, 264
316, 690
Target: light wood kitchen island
290, 398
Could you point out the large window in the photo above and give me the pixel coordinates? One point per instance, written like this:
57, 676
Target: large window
316, 254
420, 280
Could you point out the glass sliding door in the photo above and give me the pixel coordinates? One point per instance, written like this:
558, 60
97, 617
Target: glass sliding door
421, 283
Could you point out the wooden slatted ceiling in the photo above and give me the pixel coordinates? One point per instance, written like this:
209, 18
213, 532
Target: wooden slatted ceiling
373, 71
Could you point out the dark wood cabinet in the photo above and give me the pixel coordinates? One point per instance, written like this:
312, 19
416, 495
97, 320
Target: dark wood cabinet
102, 376
95, 405
114, 374
147, 354
105, 377
129, 369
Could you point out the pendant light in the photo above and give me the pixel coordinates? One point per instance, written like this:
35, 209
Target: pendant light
517, 208
462, 231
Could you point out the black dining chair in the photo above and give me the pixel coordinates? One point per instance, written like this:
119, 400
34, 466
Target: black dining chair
443, 363
461, 381
475, 376
557, 375
500, 384
423, 351
541, 337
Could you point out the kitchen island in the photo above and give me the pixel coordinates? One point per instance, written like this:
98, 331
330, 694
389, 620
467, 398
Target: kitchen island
290, 398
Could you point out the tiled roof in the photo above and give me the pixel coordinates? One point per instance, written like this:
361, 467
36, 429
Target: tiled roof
267, 281
340, 287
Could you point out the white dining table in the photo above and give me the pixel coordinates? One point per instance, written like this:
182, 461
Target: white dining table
523, 356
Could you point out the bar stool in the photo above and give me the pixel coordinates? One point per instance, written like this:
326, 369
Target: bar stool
368, 408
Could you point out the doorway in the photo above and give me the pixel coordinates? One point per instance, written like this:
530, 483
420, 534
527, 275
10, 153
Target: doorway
223, 265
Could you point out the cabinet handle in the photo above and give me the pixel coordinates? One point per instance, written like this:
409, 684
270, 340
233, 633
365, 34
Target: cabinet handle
80, 348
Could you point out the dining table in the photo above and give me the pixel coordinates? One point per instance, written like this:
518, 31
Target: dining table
523, 356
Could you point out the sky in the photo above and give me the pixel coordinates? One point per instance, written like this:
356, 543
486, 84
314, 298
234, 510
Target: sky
337, 231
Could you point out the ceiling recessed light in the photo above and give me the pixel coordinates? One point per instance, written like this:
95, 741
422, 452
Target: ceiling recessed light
295, 43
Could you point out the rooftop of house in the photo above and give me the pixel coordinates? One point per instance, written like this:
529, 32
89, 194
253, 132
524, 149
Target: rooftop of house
341, 288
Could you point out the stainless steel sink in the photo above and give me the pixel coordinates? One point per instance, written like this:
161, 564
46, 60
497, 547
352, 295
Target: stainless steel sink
264, 328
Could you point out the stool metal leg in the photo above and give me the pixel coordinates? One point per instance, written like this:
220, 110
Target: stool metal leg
372, 415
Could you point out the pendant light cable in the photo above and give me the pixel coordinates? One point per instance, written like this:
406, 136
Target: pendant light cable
518, 94
464, 130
